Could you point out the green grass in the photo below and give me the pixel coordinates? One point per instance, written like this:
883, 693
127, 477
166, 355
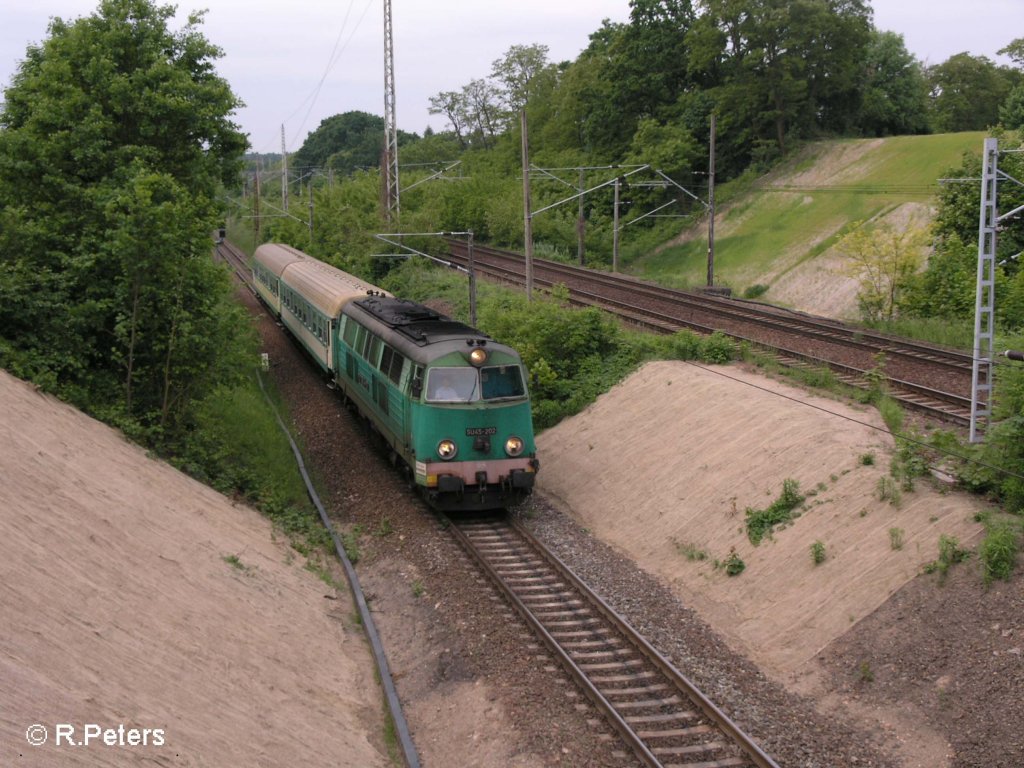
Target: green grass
762, 225
950, 553
998, 551
761, 522
239, 450
959, 335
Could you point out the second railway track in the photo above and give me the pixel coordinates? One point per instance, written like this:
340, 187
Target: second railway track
927, 378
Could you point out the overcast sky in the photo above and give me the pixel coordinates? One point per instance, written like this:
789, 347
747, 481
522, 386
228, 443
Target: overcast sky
296, 63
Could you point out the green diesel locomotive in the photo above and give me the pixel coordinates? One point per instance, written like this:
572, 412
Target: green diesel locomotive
450, 402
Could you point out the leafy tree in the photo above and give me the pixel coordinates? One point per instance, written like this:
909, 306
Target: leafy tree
116, 138
584, 111
895, 91
966, 93
346, 142
483, 109
648, 64
780, 69
884, 261
959, 202
1011, 113
454, 106
518, 72
946, 287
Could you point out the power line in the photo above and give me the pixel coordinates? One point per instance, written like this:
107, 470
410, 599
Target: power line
337, 50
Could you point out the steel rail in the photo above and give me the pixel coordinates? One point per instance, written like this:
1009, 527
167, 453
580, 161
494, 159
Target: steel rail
759, 758
560, 570
944, 405
826, 330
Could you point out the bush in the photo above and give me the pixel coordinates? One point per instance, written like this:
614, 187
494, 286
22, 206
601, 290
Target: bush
818, 552
733, 564
950, 553
998, 552
760, 522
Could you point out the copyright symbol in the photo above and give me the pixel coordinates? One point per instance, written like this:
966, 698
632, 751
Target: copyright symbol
36, 735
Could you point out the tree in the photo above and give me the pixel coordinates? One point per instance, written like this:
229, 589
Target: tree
1011, 113
966, 93
584, 111
517, 72
884, 260
453, 105
345, 142
895, 91
779, 68
483, 108
116, 140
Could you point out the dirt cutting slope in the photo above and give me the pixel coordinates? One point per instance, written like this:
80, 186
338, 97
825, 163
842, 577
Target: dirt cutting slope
666, 464
133, 597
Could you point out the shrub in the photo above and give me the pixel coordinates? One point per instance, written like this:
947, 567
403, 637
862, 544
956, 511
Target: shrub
734, 564
716, 348
950, 553
886, 490
818, 552
998, 552
761, 521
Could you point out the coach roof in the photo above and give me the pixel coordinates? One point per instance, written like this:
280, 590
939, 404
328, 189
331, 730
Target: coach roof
325, 287
276, 256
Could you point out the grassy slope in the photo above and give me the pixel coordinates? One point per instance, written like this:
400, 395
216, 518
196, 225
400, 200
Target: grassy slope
801, 209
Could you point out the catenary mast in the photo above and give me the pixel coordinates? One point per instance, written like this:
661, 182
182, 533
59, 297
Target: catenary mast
390, 169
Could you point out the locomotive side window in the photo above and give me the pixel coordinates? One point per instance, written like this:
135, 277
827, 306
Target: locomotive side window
350, 332
391, 364
500, 382
373, 350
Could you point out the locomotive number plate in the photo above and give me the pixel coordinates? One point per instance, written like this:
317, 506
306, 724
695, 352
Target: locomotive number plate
480, 431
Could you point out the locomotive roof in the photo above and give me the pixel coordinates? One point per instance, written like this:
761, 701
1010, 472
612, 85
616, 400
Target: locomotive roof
422, 325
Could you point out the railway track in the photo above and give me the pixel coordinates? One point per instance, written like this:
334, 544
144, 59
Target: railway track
658, 713
235, 258
927, 378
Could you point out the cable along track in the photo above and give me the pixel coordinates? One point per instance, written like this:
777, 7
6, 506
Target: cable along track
659, 714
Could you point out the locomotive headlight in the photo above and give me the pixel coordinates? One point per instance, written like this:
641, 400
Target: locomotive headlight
447, 449
478, 356
514, 446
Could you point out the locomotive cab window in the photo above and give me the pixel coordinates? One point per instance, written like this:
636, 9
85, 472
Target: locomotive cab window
452, 385
501, 382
